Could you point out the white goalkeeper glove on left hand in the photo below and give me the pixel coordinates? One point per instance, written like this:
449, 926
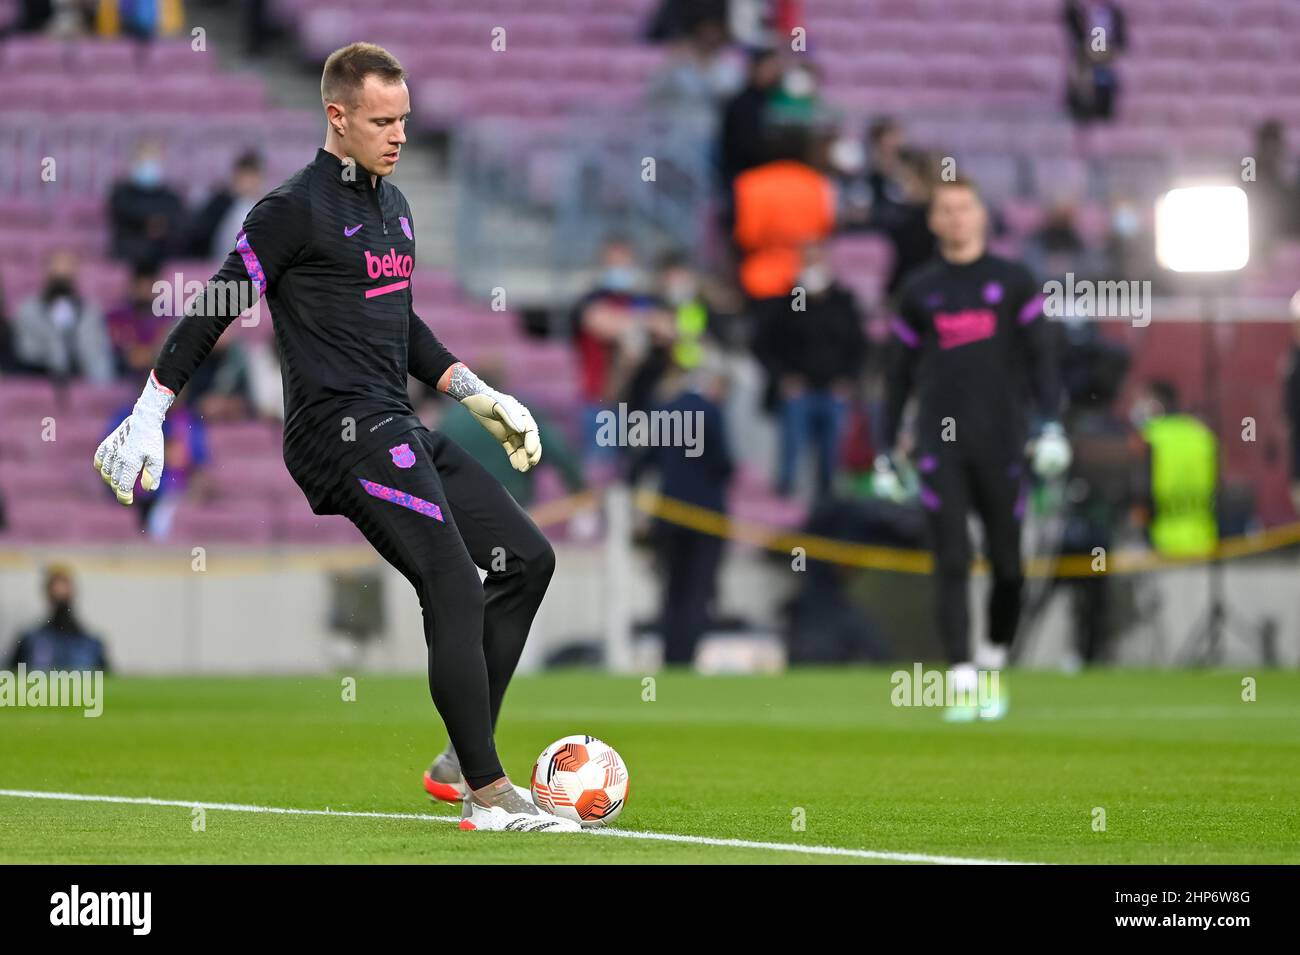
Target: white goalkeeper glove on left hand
136, 444
1051, 454
502, 415
886, 482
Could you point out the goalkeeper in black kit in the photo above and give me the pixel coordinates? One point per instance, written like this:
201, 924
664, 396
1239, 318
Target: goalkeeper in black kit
332, 251
974, 346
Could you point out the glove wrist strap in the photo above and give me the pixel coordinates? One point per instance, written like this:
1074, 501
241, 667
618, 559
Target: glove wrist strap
155, 400
465, 383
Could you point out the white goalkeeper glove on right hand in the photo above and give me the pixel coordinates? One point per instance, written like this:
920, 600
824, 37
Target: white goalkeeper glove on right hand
136, 445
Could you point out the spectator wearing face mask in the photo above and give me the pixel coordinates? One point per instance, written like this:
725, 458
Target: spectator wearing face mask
1129, 247
58, 333
814, 359
61, 642
677, 331
146, 217
610, 326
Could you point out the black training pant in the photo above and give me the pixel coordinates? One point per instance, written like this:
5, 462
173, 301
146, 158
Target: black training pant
433, 512
953, 481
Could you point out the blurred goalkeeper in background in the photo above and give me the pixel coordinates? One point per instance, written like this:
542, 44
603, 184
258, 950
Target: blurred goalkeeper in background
332, 250
972, 341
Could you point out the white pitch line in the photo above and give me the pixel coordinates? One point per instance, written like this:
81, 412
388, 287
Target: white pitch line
619, 833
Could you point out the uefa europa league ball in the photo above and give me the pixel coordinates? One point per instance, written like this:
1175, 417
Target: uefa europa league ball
582, 779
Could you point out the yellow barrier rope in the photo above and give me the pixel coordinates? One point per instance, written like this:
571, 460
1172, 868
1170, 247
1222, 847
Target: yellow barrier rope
902, 560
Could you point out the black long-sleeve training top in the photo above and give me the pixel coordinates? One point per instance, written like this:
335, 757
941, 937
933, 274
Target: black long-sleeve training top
332, 256
974, 340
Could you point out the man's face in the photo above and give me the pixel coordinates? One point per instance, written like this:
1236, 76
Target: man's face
956, 215
60, 590
142, 290
375, 126
62, 266
248, 183
888, 142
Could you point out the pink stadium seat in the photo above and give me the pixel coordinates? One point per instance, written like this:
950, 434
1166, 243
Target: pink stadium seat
297, 524
26, 54
70, 521
242, 522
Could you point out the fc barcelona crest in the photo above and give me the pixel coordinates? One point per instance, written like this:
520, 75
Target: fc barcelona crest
403, 456
406, 226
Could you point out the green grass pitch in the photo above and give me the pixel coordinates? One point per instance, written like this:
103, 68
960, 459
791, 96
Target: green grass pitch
1184, 769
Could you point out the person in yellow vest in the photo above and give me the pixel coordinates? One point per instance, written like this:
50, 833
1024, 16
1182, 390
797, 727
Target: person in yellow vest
1184, 475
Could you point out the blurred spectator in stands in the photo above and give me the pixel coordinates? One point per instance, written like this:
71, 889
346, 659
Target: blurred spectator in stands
781, 206
762, 23
9, 363
1056, 247
146, 216
63, 18
1096, 34
798, 98
676, 331
908, 228
1275, 192
674, 20
885, 143
611, 314
814, 358
258, 27
135, 329
186, 475
216, 226
742, 142
58, 333
873, 190
61, 642
142, 19
219, 390
30, 16
689, 560
1129, 248
694, 80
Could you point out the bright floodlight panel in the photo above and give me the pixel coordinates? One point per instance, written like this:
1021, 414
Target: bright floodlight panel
1203, 229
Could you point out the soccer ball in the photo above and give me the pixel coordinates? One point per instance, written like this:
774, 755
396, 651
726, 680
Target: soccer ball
582, 779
